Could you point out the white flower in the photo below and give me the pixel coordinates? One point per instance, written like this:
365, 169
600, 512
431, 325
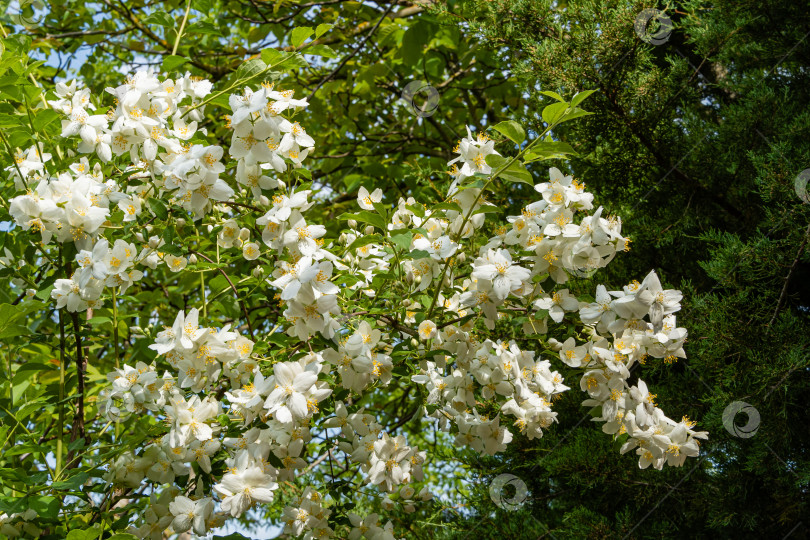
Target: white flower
366, 200
427, 329
247, 485
288, 401
497, 267
189, 513
251, 251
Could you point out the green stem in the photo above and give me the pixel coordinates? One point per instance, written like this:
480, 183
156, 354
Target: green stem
61, 430
182, 26
115, 328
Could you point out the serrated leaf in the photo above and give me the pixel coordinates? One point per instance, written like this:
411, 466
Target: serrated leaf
516, 172
271, 56
554, 112
322, 29
321, 50
204, 27
160, 18
495, 161
511, 130
403, 239
172, 62
299, 35
250, 69
548, 149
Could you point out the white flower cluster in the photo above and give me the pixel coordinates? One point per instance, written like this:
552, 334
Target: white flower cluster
72, 206
221, 407
658, 440
361, 359
263, 138
305, 278
522, 386
472, 154
308, 518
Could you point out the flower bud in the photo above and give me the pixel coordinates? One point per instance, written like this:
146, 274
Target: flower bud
342, 239
461, 257
352, 224
30, 292
370, 229
414, 343
258, 272
264, 201
139, 237
406, 302
149, 229
555, 344
244, 234
192, 259
154, 242
210, 228
180, 223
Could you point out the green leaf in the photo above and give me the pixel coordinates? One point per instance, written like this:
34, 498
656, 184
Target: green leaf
516, 172
250, 69
204, 27
402, 239
73, 483
322, 29
172, 62
553, 112
580, 97
321, 50
487, 209
45, 506
496, 162
300, 35
123, 536
83, 534
160, 18
551, 94
548, 149
366, 217
364, 240
511, 130
159, 208
95, 321
271, 56
12, 322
